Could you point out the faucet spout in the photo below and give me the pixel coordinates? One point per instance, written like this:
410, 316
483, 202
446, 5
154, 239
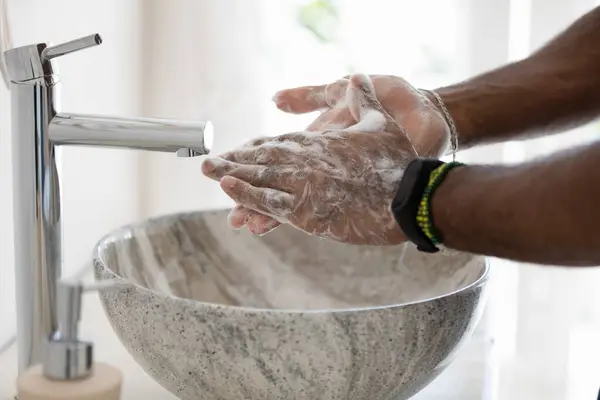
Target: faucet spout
185, 138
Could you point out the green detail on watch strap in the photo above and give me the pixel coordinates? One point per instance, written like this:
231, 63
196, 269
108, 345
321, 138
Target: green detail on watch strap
424, 217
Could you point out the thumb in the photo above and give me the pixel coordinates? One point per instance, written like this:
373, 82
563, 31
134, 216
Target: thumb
369, 112
307, 99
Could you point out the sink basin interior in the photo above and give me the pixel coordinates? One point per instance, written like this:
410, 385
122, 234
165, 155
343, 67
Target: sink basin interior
198, 256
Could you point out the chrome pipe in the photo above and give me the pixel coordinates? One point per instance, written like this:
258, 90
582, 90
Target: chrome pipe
37, 222
133, 133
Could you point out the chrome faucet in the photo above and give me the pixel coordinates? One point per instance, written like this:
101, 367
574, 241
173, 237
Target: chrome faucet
38, 126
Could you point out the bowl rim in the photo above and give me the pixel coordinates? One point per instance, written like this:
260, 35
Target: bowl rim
125, 232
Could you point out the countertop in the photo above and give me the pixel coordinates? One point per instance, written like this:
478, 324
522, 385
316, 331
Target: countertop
464, 378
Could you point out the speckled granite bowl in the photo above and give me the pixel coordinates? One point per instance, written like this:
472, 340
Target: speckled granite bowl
212, 313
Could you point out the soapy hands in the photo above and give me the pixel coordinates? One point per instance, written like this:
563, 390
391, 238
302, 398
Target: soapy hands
337, 183
413, 113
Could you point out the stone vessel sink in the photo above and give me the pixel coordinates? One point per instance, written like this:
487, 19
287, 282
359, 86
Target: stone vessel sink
217, 314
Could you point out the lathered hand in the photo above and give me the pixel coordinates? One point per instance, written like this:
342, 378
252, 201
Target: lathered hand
337, 184
409, 107
411, 110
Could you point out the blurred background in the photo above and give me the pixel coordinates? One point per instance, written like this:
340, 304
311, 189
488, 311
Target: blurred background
222, 60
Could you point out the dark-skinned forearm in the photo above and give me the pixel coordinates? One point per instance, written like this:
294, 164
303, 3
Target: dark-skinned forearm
555, 89
546, 211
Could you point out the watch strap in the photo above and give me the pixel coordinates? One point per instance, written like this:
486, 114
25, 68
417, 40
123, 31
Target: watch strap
424, 215
407, 200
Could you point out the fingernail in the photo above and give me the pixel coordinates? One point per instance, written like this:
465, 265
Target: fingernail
227, 182
236, 220
279, 101
208, 166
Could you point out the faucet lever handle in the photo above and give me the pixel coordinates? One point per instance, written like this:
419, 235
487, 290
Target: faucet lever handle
72, 46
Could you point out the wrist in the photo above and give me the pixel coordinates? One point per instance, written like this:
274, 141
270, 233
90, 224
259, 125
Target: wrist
452, 98
442, 202
438, 103
425, 218
411, 206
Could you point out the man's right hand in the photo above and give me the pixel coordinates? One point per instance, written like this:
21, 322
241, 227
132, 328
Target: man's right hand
412, 110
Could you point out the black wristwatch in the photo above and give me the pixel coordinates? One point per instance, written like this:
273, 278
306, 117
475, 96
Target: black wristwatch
408, 196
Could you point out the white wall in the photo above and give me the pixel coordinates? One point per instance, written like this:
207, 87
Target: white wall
99, 187
202, 61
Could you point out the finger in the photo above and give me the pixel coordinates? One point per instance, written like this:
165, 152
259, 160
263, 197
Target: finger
239, 216
257, 141
301, 100
260, 224
338, 118
335, 93
256, 175
215, 168
271, 202
245, 155
271, 150
363, 105
275, 153
288, 140
371, 115
311, 98
282, 149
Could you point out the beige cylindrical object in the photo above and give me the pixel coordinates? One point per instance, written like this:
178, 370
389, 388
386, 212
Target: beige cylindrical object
104, 383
